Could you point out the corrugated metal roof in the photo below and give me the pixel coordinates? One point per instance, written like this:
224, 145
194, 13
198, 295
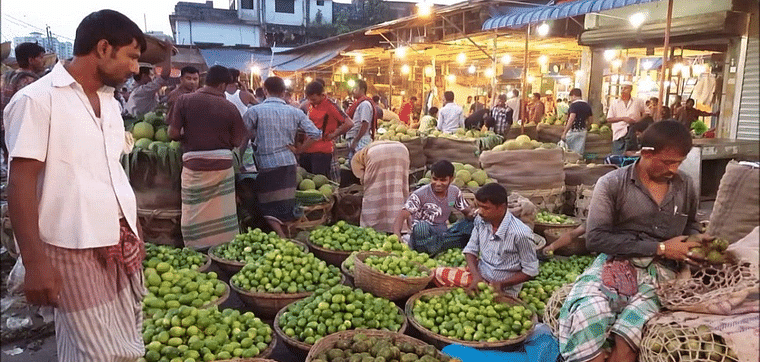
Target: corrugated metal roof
290, 61
560, 11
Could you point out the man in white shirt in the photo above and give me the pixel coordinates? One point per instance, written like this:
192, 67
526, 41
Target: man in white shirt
516, 105
623, 112
450, 115
73, 211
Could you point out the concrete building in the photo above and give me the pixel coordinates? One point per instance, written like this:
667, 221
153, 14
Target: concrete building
64, 50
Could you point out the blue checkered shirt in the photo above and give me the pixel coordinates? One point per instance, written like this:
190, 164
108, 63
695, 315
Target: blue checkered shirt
505, 253
273, 125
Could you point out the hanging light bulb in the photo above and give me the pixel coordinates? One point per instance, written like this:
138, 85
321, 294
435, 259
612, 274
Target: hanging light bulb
686, 72
424, 9
451, 78
543, 60
288, 82
637, 19
531, 79
506, 59
401, 52
359, 59
647, 65
699, 69
472, 69
617, 63
255, 70
488, 72
308, 79
344, 69
461, 58
429, 71
543, 29
351, 83
405, 69
610, 54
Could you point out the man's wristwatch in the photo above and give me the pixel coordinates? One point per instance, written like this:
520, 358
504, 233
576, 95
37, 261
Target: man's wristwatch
661, 249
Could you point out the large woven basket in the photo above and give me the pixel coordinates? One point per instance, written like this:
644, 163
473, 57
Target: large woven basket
348, 274
440, 341
221, 299
576, 247
234, 266
267, 305
301, 349
551, 199
384, 285
349, 204
332, 257
315, 215
583, 201
540, 227
553, 306
327, 343
161, 226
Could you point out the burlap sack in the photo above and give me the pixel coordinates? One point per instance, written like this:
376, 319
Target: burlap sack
417, 156
522, 208
454, 150
684, 336
156, 185
551, 199
737, 205
348, 205
530, 131
597, 147
525, 169
549, 133
584, 175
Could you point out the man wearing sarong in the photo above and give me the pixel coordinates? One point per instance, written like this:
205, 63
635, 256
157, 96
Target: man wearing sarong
428, 209
73, 211
209, 127
638, 219
272, 125
383, 169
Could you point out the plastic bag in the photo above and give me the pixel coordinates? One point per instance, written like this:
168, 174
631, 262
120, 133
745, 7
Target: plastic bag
562, 144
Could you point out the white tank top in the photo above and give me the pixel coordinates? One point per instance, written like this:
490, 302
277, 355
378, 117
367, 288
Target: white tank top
235, 99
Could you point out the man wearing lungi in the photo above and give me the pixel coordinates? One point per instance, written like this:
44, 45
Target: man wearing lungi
638, 219
73, 211
272, 125
209, 127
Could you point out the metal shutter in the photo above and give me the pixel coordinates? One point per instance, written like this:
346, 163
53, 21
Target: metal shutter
749, 108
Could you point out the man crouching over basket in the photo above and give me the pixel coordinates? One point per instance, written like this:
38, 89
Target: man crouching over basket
638, 219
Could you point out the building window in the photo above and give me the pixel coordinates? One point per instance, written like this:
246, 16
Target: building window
285, 6
246, 4
320, 2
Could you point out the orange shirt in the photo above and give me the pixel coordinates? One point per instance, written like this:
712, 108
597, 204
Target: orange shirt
327, 117
405, 114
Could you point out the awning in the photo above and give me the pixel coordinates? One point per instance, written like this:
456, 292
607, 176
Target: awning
287, 61
560, 11
240, 59
294, 61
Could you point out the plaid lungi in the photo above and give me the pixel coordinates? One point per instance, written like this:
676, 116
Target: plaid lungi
428, 239
592, 311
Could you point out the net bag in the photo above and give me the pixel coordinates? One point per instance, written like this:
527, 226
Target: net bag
553, 306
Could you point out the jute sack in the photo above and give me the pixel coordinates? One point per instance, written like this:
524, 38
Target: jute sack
525, 169
737, 205
684, 336
417, 156
530, 131
598, 146
585, 174
583, 201
454, 150
549, 133
546, 199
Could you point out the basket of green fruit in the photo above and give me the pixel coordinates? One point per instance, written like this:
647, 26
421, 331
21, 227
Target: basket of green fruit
391, 346
335, 243
248, 247
282, 277
305, 322
546, 220
388, 275
169, 288
506, 321
347, 267
178, 258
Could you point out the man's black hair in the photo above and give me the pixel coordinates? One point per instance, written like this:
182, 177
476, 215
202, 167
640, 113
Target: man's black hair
320, 81
376, 98
537, 95
448, 96
259, 92
314, 88
493, 193
217, 75
362, 84
275, 86
188, 69
110, 25
515, 93
667, 134
576, 92
642, 124
26, 51
144, 71
234, 73
433, 111
690, 100
413, 98
442, 168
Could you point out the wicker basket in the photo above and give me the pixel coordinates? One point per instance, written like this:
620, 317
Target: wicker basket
553, 306
315, 215
161, 226
546, 199
349, 204
6, 232
576, 247
583, 201
384, 285
540, 227
348, 274
221, 299
233, 266
332, 257
301, 349
266, 305
328, 342
207, 264
440, 341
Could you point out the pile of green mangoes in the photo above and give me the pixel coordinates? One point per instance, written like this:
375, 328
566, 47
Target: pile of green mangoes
178, 258
679, 344
170, 288
712, 251
288, 270
546, 217
252, 245
459, 315
190, 334
451, 257
338, 309
552, 275
395, 265
346, 237
380, 349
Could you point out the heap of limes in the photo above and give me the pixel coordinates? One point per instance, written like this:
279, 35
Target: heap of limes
250, 246
459, 315
170, 288
338, 309
395, 265
552, 275
347, 237
190, 334
360, 347
401, 250
546, 217
451, 257
287, 270
178, 258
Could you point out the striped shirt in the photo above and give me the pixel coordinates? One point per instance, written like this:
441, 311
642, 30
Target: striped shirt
508, 251
273, 125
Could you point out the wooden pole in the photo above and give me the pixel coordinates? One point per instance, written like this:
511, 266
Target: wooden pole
493, 66
525, 78
665, 60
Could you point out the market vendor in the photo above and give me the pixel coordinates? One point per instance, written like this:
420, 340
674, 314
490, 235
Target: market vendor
638, 221
326, 116
632, 143
688, 114
428, 209
500, 250
144, 97
623, 112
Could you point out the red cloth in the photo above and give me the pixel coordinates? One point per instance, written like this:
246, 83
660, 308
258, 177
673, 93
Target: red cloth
621, 276
326, 117
406, 112
452, 277
129, 252
352, 110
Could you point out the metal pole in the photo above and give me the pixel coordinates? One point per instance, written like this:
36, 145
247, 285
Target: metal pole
665, 59
493, 66
525, 77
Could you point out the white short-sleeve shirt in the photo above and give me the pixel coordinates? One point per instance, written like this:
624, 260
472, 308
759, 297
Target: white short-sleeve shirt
83, 188
634, 108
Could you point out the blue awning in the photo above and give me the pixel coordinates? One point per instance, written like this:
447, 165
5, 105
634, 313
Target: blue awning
551, 12
287, 61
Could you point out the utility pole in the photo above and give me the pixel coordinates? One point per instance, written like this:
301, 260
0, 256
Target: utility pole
145, 22
49, 46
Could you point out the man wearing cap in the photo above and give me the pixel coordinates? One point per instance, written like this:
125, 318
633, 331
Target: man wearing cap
623, 112
550, 105
144, 98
